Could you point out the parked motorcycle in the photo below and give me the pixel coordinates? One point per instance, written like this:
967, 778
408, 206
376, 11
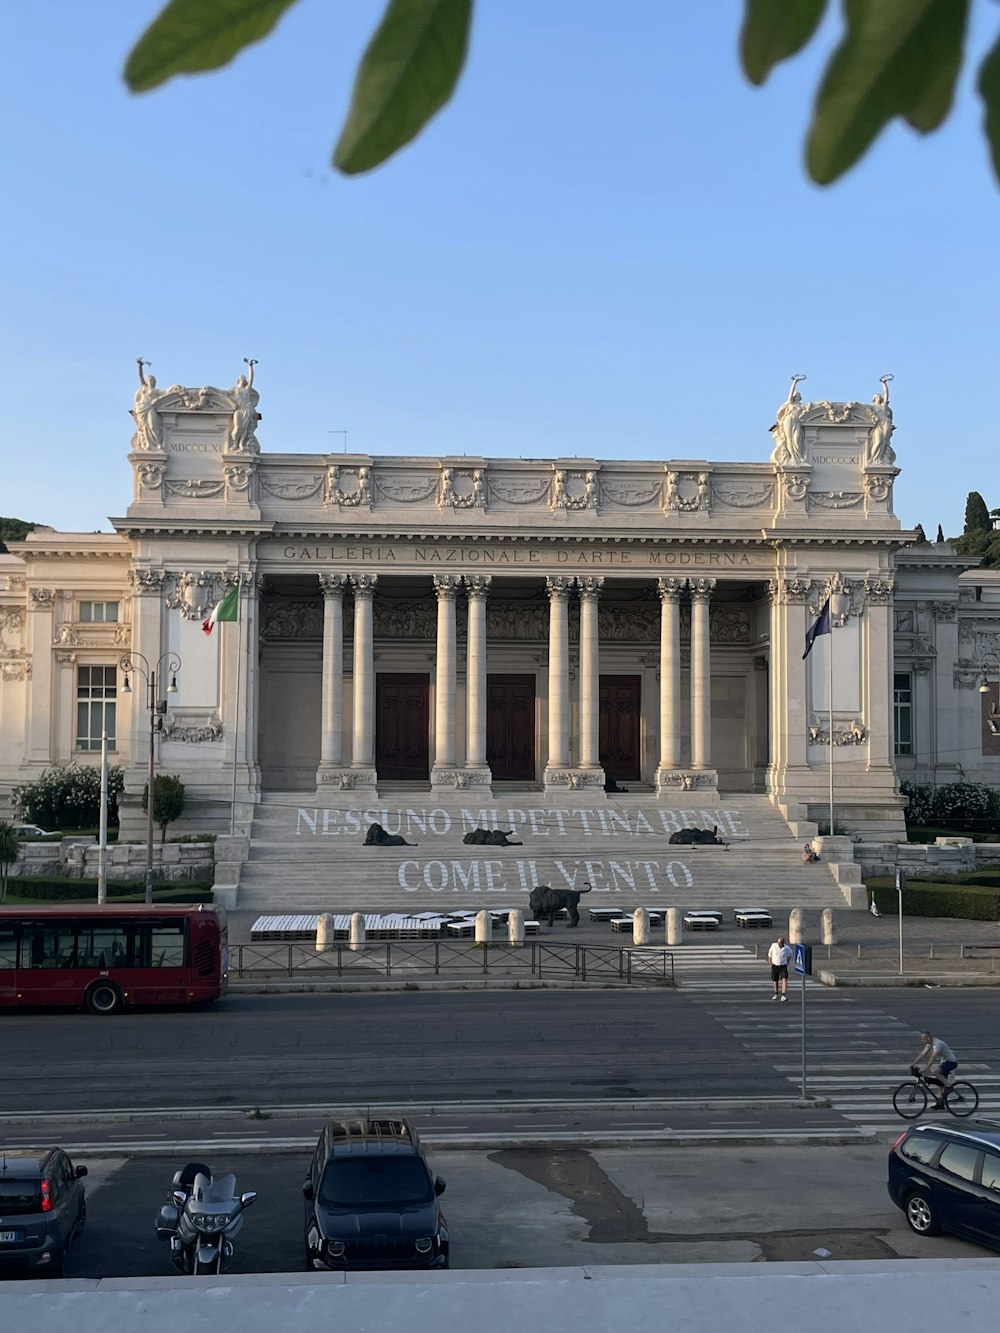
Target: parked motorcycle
201, 1219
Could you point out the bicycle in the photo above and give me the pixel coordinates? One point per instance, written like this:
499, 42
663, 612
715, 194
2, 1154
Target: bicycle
911, 1098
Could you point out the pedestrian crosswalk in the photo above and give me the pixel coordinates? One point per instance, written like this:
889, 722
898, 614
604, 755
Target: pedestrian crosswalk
728, 968
856, 1054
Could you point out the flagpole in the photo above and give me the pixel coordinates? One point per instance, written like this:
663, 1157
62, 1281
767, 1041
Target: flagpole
830, 701
236, 719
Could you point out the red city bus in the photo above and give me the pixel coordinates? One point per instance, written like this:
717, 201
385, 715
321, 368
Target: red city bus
103, 958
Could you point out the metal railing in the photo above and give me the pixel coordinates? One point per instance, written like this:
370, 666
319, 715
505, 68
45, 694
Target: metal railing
396, 958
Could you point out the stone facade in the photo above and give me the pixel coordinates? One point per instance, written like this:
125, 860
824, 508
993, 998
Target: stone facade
467, 623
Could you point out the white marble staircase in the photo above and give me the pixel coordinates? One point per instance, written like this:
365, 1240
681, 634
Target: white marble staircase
309, 858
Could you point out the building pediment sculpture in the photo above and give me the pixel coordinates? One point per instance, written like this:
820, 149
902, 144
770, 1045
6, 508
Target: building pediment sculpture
788, 429
240, 402
879, 452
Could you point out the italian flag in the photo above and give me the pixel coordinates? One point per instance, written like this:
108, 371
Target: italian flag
227, 609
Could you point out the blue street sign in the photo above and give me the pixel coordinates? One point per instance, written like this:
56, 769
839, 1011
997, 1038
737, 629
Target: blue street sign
801, 961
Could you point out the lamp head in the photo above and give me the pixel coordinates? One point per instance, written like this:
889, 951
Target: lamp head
127, 686
172, 687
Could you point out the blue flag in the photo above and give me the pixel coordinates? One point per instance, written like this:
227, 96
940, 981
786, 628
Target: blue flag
821, 625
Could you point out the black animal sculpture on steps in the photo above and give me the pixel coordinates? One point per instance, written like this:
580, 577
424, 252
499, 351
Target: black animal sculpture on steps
489, 837
377, 837
545, 902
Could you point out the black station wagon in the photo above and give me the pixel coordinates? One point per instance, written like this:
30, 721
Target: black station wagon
948, 1179
371, 1201
43, 1208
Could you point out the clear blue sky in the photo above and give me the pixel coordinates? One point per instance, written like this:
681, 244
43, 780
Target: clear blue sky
605, 246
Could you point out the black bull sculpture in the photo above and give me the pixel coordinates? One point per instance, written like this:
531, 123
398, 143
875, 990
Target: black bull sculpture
697, 835
377, 837
487, 837
545, 903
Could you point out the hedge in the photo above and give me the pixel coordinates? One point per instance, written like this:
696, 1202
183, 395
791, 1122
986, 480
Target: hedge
52, 889
969, 901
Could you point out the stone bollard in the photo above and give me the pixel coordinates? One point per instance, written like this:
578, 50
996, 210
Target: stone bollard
828, 926
484, 926
796, 926
640, 926
324, 932
357, 942
515, 928
675, 925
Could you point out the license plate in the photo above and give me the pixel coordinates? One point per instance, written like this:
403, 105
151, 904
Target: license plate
9, 1237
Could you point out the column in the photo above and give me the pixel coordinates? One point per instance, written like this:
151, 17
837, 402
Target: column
789, 715
332, 743
477, 586
590, 679
701, 674
445, 677
363, 746
670, 678
877, 657
558, 590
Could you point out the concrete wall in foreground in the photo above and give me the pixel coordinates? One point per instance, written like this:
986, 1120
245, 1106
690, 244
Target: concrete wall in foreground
847, 1297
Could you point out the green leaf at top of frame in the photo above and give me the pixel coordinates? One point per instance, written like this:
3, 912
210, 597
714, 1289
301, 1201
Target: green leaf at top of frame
189, 36
773, 30
898, 58
989, 91
407, 74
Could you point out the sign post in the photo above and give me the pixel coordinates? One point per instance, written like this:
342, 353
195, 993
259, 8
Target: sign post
900, 886
802, 963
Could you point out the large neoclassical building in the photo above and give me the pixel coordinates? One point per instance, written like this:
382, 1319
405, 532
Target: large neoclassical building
550, 625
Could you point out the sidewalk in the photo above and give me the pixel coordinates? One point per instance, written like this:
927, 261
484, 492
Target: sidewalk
867, 951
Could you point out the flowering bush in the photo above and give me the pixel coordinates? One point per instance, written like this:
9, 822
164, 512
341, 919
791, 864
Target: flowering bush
951, 804
968, 800
921, 802
68, 797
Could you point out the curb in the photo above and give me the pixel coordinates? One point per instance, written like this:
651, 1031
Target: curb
887, 979
327, 1111
820, 1138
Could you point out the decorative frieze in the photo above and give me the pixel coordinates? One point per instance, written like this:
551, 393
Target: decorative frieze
462, 488
195, 488
349, 487
146, 582
574, 490
853, 733
40, 599
182, 728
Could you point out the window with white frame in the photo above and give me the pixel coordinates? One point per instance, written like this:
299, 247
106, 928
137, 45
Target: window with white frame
98, 613
96, 693
902, 711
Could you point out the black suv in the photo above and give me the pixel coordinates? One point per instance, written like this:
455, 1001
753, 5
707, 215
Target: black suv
43, 1208
371, 1201
948, 1179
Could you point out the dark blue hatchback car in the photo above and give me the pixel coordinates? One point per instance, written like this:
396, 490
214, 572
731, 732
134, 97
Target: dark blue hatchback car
948, 1179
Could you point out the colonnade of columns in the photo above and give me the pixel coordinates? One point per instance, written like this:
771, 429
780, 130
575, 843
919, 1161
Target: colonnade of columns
447, 770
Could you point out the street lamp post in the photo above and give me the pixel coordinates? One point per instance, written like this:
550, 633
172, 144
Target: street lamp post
136, 664
993, 715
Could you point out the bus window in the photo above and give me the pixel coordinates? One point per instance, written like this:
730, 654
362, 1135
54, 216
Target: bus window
102, 944
167, 945
49, 946
8, 946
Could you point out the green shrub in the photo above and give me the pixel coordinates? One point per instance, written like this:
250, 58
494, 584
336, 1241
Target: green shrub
53, 888
969, 808
68, 797
168, 801
971, 902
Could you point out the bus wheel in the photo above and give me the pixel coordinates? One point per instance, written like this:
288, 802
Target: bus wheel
104, 997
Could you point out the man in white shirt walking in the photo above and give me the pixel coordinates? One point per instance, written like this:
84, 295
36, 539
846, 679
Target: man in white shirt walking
779, 956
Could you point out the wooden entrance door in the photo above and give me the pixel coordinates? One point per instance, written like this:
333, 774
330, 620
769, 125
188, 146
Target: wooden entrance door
510, 727
402, 733
619, 727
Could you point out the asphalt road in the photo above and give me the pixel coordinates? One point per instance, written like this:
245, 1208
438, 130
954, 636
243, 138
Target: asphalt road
422, 1047
553, 1207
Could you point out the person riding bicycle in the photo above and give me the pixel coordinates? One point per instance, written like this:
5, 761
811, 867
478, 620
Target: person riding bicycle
938, 1062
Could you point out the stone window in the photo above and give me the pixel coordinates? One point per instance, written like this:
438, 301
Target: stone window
902, 711
98, 613
96, 706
